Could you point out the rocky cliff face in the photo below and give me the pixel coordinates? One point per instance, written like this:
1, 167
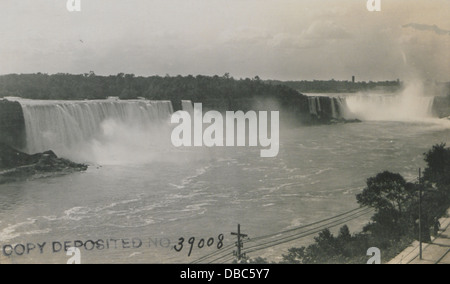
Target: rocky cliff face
12, 124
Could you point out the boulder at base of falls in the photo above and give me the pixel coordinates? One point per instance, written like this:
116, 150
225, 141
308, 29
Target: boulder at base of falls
16, 165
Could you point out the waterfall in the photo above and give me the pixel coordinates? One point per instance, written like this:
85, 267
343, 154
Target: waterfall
409, 105
187, 105
333, 108
71, 128
313, 106
325, 107
343, 110
319, 106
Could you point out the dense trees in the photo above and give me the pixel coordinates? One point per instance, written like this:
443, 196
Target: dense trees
344, 248
219, 93
215, 92
386, 192
334, 86
436, 183
437, 174
391, 196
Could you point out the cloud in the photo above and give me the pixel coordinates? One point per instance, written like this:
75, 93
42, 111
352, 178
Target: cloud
270, 38
245, 35
292, 41
422, 27
314, 35
326, 30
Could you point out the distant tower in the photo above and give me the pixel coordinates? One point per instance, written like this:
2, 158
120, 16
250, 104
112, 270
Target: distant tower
353, 79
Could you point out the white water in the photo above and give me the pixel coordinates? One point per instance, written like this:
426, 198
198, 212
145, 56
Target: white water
411, 104
314, 105
200, 192
136, 131
209, 191
101, 131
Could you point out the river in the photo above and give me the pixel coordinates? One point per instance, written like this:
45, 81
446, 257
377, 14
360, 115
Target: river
134, 203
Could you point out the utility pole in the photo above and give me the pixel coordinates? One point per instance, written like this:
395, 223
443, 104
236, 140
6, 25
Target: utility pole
420, 214
239, 243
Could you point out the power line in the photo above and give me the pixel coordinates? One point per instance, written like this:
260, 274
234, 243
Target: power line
273, 243
222, 257
340, 219
239, 244
226, 249
308, 225
319, 228
276, 234
305, 234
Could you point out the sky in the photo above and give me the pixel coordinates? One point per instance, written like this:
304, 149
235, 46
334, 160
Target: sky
272, 39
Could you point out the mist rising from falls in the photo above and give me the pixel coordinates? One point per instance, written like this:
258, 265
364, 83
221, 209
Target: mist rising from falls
99, 131
410, 104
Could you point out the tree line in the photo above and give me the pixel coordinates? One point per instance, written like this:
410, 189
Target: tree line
214, 92
335, 86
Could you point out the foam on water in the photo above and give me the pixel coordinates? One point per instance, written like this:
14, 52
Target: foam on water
410, 104
21, 229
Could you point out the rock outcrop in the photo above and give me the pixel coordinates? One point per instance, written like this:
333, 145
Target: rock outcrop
16, 165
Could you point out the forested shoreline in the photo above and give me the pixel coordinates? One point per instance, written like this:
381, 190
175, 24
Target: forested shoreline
214, 92
217, 92
336, 86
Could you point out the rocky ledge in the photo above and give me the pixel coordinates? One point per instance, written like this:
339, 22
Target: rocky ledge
16, 165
